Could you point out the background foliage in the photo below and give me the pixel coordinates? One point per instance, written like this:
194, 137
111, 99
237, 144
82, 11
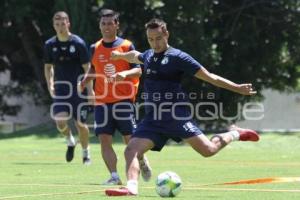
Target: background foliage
255, 41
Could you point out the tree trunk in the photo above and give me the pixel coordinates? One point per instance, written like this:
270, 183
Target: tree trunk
32, 44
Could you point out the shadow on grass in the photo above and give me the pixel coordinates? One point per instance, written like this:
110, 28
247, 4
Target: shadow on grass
37, 163
282, 133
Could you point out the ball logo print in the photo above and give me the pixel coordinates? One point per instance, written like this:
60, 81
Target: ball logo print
168, 184
109, 70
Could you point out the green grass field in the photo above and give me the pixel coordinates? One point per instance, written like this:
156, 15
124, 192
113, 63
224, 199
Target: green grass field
33, 168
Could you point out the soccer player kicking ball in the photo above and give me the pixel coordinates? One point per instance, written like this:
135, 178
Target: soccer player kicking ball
163, 68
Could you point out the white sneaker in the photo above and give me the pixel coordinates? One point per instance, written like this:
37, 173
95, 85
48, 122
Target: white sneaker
86, 158
112, 181
145, 168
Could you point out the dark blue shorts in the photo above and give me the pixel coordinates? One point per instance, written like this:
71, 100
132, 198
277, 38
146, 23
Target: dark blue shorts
77, 107
115, 116
160, 131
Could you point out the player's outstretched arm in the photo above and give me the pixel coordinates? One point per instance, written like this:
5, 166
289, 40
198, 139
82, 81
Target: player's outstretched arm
131, 73
130, 56
244, 89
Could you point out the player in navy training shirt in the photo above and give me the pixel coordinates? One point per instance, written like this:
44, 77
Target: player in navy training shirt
167, 113
66, 59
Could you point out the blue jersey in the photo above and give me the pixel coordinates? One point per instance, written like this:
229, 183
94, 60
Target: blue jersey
162, 88
67, 58
163, 74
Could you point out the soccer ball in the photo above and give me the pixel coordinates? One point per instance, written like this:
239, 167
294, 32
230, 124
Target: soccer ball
168, 184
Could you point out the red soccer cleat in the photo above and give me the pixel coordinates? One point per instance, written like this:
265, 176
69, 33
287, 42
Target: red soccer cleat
123, 191
245, 134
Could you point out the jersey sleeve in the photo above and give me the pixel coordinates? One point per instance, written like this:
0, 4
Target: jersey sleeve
83, 53
47, 54
142, 56
133, 65
188, 64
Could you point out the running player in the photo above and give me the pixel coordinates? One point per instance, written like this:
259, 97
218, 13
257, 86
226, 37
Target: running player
66, 58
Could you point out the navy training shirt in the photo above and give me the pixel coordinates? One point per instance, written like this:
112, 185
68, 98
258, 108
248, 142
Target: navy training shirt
163, 73
67, 58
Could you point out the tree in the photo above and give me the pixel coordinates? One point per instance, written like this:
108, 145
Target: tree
254, 41
20, 51
245, 41
25, 27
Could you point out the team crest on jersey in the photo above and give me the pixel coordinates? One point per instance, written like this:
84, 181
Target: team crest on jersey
72, 49
165, 60
54, 49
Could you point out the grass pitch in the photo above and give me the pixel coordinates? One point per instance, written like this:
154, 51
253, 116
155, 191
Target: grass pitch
33, 167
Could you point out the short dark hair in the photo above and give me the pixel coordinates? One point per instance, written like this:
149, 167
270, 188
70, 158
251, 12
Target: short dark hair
110, 13
156, 23
60, 15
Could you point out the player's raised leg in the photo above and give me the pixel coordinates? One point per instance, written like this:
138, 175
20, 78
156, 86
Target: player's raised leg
245, 134
207, 148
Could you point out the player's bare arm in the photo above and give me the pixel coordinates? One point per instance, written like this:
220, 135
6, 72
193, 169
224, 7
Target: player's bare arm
49, 73
244, 89
89, 84
130, 56
87, 79
132, 73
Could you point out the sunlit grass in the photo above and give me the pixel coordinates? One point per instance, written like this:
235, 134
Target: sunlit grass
33, 167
